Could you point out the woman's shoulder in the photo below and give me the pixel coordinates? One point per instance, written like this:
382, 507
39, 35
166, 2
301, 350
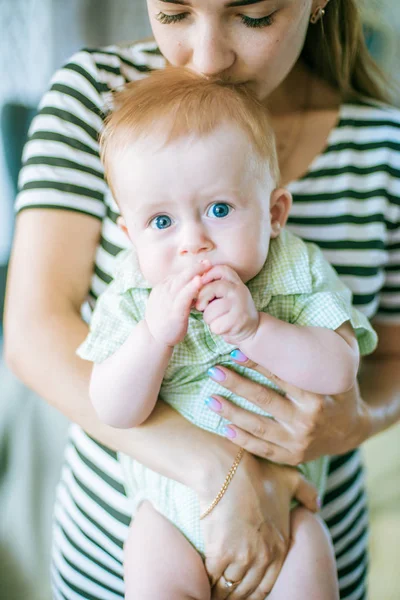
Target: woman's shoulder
92, 74
116, 64
367, 130
369, 113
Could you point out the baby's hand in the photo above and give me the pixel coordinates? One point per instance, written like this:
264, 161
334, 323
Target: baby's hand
169, 304
227, 305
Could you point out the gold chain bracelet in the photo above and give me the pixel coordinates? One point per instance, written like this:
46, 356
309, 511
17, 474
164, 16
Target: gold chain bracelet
225, 485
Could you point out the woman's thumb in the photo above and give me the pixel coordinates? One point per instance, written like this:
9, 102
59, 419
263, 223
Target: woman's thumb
307, 494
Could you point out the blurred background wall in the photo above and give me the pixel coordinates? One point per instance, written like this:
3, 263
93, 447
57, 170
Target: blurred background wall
36, 37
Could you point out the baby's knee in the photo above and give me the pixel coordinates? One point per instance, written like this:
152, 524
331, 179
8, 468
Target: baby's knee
309, 530
302, 517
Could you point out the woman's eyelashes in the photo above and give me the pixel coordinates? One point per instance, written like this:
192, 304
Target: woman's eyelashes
169, 19
251, 22
257, 23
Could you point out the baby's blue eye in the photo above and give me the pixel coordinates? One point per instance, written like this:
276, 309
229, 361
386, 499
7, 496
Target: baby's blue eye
161, 222
219, 210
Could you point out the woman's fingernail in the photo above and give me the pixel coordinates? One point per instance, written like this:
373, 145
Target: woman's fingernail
214, 404
319, 502
216, 374
239, 356
229, 432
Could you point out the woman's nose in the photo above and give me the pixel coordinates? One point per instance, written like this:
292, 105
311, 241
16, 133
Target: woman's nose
212, 54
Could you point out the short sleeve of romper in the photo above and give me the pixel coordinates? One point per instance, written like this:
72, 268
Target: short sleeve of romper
112, 322
61, 163
330, 304
307, 291
117, 312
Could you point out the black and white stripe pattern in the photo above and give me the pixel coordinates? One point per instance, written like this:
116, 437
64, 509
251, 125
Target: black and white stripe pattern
348, 203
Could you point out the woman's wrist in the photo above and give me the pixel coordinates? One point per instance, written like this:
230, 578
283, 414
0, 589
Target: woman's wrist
213, 467
227, 481
380, 391
366, 425
356, 429
217, 464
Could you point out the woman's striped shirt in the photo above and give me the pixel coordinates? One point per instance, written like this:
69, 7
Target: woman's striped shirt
348, 203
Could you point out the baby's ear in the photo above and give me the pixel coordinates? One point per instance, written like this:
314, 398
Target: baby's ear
121, 224
280, 205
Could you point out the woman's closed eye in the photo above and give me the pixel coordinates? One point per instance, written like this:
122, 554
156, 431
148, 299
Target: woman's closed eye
254, 23
219, 210
169, 19
251, 22
161, 222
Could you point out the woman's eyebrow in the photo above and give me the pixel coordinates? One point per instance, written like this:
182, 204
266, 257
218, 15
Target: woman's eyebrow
229, 5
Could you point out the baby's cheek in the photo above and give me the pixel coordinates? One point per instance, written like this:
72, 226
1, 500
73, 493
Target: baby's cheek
245, 252
152, 275
250, 265
154, 265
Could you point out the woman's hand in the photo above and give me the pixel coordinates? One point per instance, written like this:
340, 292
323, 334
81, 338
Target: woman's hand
247, 534
305, 426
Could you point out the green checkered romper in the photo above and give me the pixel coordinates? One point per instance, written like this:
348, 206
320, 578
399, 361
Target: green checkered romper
296, 284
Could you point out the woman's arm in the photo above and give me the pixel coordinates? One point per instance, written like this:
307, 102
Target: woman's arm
49, 276
329, 359
380, 382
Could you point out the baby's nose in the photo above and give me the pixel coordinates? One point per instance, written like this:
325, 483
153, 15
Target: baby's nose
195, 241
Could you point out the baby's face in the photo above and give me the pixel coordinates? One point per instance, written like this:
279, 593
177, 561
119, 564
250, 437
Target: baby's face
195, 199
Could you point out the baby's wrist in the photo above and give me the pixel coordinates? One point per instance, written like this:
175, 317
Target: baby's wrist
158, 342
245, 343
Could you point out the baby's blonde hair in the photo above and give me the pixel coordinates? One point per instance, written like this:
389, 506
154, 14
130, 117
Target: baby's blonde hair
177, 102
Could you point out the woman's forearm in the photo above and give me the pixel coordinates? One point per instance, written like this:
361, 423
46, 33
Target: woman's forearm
43, 356
124, 388
380, 389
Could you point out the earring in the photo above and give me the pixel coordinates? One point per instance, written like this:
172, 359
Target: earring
276, 228
317, 15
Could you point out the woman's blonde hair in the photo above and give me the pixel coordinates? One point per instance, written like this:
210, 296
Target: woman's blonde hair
336, 51
175, 102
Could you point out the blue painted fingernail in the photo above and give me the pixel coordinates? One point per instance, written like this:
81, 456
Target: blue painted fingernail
229, 432
216, 374
213, 404
239, 356
319, 501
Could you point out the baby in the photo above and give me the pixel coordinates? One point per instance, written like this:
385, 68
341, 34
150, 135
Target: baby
193, 167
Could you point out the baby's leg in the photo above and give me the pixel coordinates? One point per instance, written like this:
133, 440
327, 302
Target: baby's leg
309, 571
159, 562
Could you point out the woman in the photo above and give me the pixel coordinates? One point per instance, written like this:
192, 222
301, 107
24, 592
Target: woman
338, 153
